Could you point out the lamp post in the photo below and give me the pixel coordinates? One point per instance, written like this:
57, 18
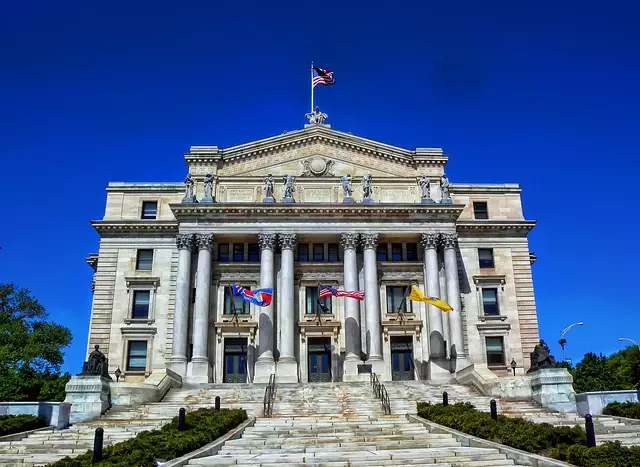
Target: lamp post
630, 340
563, 341
514, 365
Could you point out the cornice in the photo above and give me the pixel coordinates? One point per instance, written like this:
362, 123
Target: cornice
155, 227
172, 187
484, 226
482, 188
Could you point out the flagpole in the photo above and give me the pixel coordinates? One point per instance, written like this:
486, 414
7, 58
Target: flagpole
312, 86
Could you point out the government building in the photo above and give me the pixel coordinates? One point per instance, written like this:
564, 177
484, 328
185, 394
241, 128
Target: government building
309, 208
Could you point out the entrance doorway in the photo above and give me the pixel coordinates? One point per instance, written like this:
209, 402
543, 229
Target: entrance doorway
402, 358
235, 360
319, 350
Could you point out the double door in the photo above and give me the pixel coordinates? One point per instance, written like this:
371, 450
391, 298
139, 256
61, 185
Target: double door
235, 360
319, 350
402, 358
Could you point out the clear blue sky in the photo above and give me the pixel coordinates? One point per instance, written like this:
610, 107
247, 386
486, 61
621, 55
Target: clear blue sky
545, 95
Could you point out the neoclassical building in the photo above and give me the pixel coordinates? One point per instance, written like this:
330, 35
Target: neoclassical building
170, 251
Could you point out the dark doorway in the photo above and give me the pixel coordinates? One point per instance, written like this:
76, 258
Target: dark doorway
402, 358
319, 349
235, 360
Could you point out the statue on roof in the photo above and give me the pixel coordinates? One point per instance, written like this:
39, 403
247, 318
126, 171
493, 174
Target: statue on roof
208, 189
316, 116
345, 181
367, 189
267, 186
189, 185
289, 188
424, 188
444, 188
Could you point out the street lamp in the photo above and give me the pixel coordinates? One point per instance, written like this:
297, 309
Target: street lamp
630, 340
563, 341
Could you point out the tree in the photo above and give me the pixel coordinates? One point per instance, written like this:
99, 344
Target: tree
31, 348
600, 373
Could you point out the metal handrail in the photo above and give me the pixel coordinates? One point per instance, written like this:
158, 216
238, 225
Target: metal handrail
380, 392
269, 397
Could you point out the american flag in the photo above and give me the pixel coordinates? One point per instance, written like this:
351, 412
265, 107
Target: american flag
327, 291
321, 76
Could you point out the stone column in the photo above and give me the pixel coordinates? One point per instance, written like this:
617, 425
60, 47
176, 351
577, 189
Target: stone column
456, 339
432, 283
287, 367
372, 303
349, 242
200, 361
181, 311
265, 366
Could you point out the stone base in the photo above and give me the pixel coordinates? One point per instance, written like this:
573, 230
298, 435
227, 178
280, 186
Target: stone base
198, 372
286, 371
190, 199
179, 367
378, 366
351, 375
269, 199
263, 370
553, 388
89, 396
368, 201
440, 371
207, 200
427, 201
288, 200
446, 201
348, 199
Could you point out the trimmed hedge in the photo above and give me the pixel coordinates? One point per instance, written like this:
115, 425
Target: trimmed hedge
10, 424
623, 409
203, 427
563, 443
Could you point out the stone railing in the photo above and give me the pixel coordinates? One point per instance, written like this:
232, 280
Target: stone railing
595, 402
55, 413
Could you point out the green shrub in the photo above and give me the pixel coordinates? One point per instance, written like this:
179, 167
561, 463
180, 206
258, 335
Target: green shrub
606, 455
10, 424
203, 427
623, 409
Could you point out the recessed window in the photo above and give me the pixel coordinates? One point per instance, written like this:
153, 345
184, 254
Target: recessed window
396, 252
480, 210
137, 356
223, 253
315, 304
149, 209
412, 252
238, 252
303, 252
381, 252
254, 252
318, 252
334, 252
495, 351
232, 301
144, 260
490, 301
140, 304
397, 300
485, 258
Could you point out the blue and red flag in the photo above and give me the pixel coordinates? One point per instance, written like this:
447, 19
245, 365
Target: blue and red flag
259, 297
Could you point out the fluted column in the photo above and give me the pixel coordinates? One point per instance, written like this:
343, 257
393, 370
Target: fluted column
432, 284
200, 359
181, 311
287, 369
265, 366
372, 296
456, 338
349, 242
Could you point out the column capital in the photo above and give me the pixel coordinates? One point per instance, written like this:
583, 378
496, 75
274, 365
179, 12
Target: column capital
267, 241
204, 241
287, 241
185, 241
430, 240
449, 240
369, 240
349, 241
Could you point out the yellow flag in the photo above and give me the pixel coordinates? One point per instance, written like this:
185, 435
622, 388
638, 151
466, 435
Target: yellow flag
418, 296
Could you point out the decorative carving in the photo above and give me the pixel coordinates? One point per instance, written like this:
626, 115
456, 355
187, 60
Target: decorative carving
208, 188
347, 191
541, 357
185, 241
287, 241
425, 192
204, 241
449, 240
430, 240
317, 166
241, 194
369, 240
349, 241
267, 241
267, 186
367, 189
96, 364
317, 195
444, 188
289, 188
189, 185
316, 117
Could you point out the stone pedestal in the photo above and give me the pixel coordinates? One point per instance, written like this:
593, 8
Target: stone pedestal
198, 372
553, 388
368, 201
378, 366
207, 199
269, 199
351, 374
446, 201
440, 371
190, 199
89, 396
427, 201
287, 371
288, 200
263, 370
348, 199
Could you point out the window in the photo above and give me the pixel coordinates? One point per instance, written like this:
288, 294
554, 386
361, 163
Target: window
223, 253
485, 258
490, 302
397, 300
254, 252
396, 252
334, 252
318, 252
412, 252
381, 252
242, 307
238, 252
313, 306
303, 252
149, 209
495, 350
140, 304
480, 210
144, 260
137, 356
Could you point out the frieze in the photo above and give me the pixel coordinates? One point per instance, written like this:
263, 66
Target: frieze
312, 195
320, 276
241, 194
402, 276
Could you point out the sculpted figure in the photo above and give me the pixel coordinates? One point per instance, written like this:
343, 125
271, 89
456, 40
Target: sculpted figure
316, 116
345, 181
268, 186
424, 187
208, 186
541, 357
289, 186
444, 187
367, 186
96, 364
189, 187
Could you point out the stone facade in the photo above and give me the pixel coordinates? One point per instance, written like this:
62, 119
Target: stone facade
185, 322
